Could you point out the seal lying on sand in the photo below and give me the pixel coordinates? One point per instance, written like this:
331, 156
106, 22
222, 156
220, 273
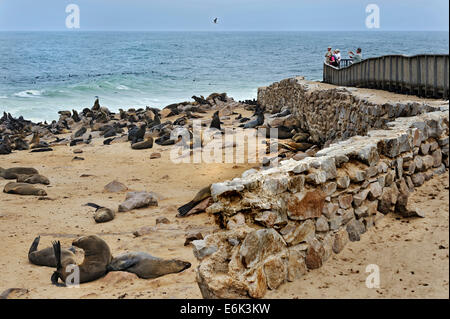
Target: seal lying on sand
201, 195
147, 266
97, 257
23, 189
33, 179
46, 256
102, 214
11, 173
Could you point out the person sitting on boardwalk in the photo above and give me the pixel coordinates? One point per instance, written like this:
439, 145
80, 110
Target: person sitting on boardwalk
328, 56
355, 57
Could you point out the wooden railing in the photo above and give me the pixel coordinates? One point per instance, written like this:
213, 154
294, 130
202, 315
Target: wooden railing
424, 75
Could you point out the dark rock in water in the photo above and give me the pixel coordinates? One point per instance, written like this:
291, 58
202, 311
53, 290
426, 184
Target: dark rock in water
143, 145
80, 132
21, 145
39, 150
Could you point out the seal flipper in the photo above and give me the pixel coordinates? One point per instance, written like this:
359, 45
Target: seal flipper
57, 251
123, 265
34, 245
97, 207
183, 210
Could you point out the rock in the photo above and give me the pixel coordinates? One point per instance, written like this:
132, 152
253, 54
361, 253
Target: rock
115, 187
329, 210
375, 191
270, 218
329, 188
437, 158
155, 155
190, 237
201, 250
322, 224
137, 200
294, 233
275, 185
424, 148
77, 151
345, 201
296, 183
143, 231
314, 254
340, 240
360, 197
343, 182
355, 228
306, 204
428, 162
385, 201
104, 215
440, 170
296, 262
418, 179
162, 220
275, 270
299, 156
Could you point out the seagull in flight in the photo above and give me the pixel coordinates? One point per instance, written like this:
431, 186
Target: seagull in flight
215, 20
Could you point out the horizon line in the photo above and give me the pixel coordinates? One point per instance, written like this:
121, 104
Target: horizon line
237, 30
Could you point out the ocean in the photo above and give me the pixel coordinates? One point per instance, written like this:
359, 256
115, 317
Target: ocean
44, 72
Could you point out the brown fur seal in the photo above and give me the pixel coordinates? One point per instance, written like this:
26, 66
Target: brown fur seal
147, 266
33, 179
23, 189
201, 195
11, 173
148, 143
215, 123
46, 256
102, 214
97, 257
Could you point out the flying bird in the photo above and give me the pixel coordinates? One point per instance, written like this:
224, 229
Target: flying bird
215, 20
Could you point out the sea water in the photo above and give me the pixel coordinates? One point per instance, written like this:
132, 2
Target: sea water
44, 72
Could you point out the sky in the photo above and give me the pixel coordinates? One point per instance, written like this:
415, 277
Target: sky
233, 15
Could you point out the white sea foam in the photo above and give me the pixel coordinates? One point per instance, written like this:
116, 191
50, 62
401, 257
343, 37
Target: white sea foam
3, 97
28, 93
122, 87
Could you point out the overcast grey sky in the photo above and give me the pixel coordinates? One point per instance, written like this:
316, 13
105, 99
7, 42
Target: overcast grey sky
233, 15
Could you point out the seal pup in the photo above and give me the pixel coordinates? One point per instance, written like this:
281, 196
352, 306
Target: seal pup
46, 256
97, 257
102, 214
23, 189
199, 197
147, 266
215, 123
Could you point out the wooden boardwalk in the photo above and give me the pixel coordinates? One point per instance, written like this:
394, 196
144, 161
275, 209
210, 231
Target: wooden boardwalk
425, 75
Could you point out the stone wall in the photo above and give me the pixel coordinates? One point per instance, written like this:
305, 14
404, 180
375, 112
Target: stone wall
332, 113
281, 221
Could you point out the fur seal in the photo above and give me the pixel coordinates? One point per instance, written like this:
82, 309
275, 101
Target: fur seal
97, 257
23, 189
147, 266
102, 214
215, 123
259, 121
13, 172
46, 256
33, 179
148, 143
199, 197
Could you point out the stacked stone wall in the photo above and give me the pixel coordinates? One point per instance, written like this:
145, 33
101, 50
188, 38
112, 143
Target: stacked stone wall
281, 221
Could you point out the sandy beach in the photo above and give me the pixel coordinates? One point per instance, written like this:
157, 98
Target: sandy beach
412, 253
